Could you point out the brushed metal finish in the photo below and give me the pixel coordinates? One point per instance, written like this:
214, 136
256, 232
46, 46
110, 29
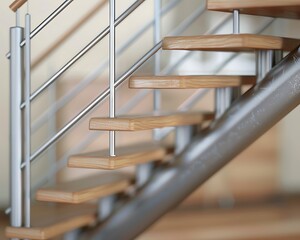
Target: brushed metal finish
27, 122
47, 20
112, 73
86, 49
94, 103
16, 79
248, 118
95, 73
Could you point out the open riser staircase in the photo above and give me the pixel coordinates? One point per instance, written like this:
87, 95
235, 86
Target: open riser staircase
121, 205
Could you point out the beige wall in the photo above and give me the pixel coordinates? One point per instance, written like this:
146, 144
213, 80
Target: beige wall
289, 129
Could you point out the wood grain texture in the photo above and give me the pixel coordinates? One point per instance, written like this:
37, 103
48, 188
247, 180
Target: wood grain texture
189, 82
49, 221
147, 122
85, 189
230, 42
271, 8
17, 4
125, 156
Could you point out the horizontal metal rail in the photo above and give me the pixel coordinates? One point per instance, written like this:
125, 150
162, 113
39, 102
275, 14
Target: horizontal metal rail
86, 49
67, 34
62, 162
95, 102
249, 118
95, 73
46, 22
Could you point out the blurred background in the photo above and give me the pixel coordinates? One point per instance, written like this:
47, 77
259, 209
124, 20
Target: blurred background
266, 174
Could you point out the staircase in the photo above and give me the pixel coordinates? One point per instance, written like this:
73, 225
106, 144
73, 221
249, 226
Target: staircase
117, 205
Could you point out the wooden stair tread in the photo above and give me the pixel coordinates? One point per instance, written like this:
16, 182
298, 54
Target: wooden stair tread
270, 8
189, 82
230, 42
125, 156
147, 122
49, 221
85, 189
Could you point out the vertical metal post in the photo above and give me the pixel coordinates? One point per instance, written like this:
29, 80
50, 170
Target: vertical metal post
112, 71
221, 101
277, 57
143, 173
157, 62
237, 91
184, 135
16, 72
27, 120
106, 206
236, 21
264, 63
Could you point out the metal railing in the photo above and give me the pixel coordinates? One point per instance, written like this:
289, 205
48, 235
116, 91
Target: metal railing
15, 55
21, 48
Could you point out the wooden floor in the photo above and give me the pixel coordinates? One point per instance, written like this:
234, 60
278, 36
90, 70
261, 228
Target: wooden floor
275, 220
278, 221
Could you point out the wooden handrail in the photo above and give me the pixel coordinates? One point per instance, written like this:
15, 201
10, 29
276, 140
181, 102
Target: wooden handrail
17, 4
67, 34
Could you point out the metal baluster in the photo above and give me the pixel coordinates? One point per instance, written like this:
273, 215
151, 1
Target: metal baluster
264, 63
236, 91
112, 71
27, 120
184, 135
106, 206
52, 16
16, 61
157, 62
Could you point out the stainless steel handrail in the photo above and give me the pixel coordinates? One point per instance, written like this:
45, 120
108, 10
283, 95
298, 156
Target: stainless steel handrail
96, 72
86, 49
62, 162
167, 70
95, 102
45, 22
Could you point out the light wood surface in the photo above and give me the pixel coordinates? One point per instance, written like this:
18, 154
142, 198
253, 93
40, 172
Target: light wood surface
68, 34
125, 156
49, 221
4, 221
17, 4
147, 122
280, 221
85, 189
189, 82
230, 42
272, 8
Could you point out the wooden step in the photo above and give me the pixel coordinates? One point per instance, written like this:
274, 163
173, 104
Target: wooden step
230, 42
146, 122
125, 156
85, 189
270, 8
50, 221
189, 82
